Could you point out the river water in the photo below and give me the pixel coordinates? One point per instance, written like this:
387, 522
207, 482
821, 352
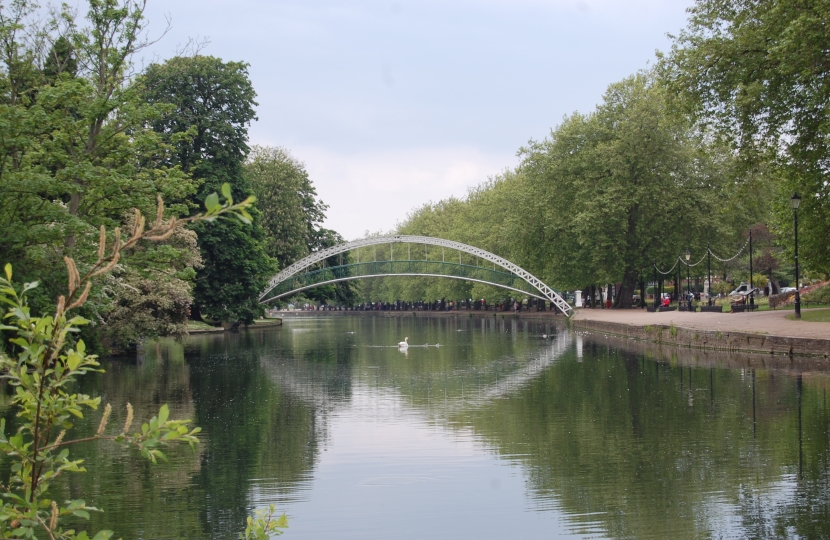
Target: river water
498, 432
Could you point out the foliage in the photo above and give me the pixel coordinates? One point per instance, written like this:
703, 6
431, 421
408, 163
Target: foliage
292, 216
75, 149
291, 211
147, 308
757, 70
722, 287
599, 201
485, 219
263, 524
620, 188
209, 105
47, 361
820, 295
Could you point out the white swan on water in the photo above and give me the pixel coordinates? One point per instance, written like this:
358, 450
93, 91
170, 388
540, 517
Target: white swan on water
404, 344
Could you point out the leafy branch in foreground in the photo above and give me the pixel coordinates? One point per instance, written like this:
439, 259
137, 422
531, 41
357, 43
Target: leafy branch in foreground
263, 524
45, 364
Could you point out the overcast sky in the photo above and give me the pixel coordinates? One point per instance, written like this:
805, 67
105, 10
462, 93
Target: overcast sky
394, 104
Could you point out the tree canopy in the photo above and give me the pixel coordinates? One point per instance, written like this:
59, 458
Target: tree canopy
603, 198
757, 71
75, 154
209, 105
291, 211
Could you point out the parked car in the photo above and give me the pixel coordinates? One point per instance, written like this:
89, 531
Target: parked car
744, 289
787, 289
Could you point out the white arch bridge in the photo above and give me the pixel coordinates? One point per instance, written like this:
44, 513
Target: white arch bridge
504, 274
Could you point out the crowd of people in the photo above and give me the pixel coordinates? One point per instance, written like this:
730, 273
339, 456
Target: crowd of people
507, 305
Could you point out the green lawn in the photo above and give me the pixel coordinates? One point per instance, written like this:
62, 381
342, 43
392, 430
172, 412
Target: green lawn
814, 315
198, 325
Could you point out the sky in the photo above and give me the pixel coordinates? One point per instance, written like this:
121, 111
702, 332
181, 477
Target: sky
391, 105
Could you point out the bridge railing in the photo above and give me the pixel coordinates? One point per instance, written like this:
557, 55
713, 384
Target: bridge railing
413, 267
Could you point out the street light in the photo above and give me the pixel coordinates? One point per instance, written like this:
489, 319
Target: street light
655, 290
795, 202
709, 264
689, 278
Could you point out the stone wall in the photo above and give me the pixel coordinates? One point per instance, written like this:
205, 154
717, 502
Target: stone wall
713, 340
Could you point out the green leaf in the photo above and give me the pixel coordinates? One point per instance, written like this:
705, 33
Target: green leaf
164, 414
30, 286
212, 201
8, 271
103, 535
73, 361
226, 192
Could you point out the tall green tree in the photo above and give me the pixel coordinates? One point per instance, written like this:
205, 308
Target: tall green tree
210, 104
613, 191
758, 71
291, 211
75, 150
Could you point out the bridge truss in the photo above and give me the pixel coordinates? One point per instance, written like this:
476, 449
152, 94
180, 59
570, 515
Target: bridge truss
297, 277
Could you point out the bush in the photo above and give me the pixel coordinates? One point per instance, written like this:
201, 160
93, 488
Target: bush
722, 287
818, 296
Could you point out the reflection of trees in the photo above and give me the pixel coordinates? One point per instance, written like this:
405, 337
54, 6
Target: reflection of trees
139, 500
252, 430
622, 442
641, 448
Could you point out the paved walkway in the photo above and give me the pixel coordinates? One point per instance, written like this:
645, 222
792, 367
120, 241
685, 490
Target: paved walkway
772, 323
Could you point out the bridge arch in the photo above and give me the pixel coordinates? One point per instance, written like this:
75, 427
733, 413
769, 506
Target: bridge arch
319, 256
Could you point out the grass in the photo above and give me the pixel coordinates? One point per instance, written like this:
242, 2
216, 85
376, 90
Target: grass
197, 325
813, 315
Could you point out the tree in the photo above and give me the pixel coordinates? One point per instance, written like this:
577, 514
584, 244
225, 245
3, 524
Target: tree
757, 70
210, 104
287, 200
60, 61
613, 191
46, 361
75, 150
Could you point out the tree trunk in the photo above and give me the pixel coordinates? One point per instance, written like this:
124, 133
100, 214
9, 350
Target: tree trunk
627, 288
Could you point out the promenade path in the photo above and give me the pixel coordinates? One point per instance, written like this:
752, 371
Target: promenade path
773, 323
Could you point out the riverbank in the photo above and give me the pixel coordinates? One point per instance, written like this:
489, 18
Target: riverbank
767, 332
437, 314
195, 327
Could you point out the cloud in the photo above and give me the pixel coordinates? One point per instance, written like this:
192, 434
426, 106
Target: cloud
374, 190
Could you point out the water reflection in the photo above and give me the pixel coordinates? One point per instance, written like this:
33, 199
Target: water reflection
510, 427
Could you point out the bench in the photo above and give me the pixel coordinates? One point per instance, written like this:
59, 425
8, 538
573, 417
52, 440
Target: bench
740, 308
712, 309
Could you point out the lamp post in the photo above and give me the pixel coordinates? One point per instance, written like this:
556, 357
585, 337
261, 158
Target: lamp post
656, 288
689, 278
751, 282
678, 283
709, 264
795, 202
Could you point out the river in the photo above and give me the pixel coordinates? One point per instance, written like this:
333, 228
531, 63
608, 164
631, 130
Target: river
482, 428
